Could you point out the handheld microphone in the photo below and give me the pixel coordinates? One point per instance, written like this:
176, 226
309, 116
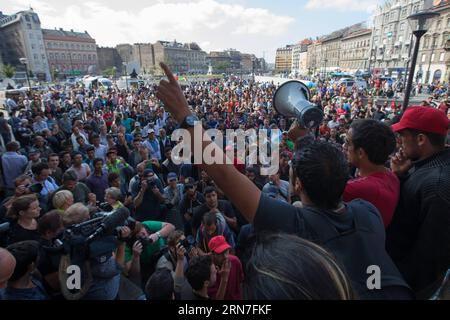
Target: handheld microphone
110, 223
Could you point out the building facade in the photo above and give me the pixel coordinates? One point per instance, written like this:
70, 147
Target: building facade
283, 60
22, 37
70, 53
181, 58
355, 47
391, 41
143, 54
434, 59
299, 55
108, 58
314, 57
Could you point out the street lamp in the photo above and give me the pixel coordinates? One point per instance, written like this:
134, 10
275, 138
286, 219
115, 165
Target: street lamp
24, 61
126, 78
419, 25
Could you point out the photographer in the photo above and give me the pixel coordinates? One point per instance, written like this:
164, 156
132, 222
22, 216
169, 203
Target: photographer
41, 175
175, 258
143, 247
148, 197
22, 187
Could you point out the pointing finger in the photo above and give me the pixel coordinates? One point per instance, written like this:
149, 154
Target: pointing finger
168, 72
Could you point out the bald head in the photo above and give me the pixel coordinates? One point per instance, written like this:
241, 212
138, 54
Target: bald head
7, 265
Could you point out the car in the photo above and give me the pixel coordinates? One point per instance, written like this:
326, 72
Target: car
349, 82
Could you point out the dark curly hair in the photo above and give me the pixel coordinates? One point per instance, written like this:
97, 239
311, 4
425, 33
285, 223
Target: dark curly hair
323, 171
375, 138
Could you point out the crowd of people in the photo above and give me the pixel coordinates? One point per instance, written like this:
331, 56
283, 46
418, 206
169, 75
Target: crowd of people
370, 187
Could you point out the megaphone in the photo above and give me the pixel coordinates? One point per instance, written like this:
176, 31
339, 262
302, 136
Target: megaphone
292, 100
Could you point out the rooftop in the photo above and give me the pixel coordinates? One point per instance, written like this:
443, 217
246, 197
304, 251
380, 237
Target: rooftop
63, 33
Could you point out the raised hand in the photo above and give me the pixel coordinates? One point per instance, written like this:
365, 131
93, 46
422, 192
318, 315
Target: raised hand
169, 92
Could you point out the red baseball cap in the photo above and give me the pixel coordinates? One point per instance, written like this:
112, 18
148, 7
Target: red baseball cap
218, 244
426, 119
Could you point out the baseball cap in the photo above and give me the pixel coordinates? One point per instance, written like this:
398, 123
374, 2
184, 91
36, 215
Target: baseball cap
218, 244
426, 119
171, 176
33, 151
148, 172
151, 131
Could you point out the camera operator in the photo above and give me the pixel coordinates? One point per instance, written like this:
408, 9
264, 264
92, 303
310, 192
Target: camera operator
148, 197
143, 247
105, 269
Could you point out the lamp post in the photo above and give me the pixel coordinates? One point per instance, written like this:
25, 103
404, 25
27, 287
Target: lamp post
433, 46
24, 61
418, 22
126, 78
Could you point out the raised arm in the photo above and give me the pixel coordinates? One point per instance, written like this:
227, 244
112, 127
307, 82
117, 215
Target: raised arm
237, 187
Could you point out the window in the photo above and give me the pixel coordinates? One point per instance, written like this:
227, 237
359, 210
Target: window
424, 57
404, 11
89, 57
33, 46
36, 57
432, 57
63, 56
402, 26
43, 56
400, 39
50, 55
441, 57
29, 25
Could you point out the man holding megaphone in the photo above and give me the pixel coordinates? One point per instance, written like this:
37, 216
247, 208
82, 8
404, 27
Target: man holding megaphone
353, 232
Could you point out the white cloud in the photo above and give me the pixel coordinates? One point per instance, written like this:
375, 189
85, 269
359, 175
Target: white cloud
210, 23
343, 5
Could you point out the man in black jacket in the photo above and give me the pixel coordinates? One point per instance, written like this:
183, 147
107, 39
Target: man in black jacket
418, 238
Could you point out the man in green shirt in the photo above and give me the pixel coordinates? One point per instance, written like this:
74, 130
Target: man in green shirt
141, 252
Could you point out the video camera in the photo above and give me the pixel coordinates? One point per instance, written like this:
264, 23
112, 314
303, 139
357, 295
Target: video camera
95, 237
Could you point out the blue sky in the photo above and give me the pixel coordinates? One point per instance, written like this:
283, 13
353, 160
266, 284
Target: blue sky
252, 26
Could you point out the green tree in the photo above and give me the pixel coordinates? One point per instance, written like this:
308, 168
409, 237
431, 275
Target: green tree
110, 72
55, 74
222, 66
8, 70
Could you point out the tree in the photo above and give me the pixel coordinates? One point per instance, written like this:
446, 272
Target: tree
55, 74
110, 72
8, 70
223, 66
